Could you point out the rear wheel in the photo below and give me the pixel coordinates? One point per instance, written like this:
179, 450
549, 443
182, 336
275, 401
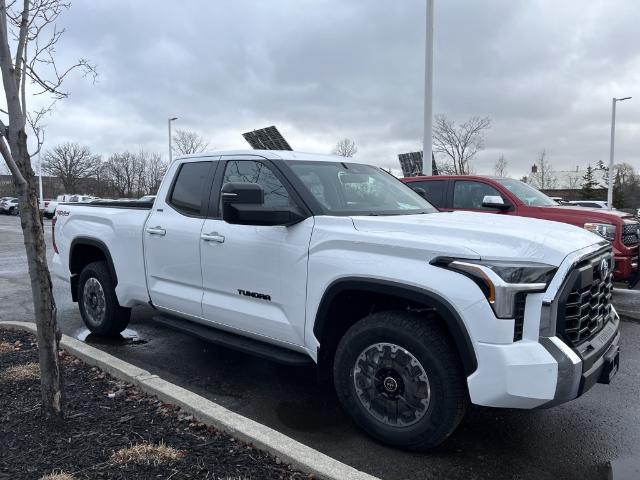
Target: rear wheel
399, 377
99, 307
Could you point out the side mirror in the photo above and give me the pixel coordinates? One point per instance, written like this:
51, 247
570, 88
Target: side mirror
243, 204
494, 201
420, 191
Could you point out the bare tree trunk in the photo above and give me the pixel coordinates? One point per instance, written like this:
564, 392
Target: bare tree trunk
48, 334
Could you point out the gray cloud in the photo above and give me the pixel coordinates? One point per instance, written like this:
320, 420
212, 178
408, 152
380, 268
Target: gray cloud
543, 71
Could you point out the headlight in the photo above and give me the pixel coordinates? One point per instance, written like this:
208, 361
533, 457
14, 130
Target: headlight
605, 230
501, 281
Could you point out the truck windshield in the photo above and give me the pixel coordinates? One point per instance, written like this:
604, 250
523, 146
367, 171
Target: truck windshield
526, 193
355, 189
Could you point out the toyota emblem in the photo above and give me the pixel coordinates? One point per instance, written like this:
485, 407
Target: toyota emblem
604, 268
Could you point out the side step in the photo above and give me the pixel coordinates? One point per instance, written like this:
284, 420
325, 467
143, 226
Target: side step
235, 342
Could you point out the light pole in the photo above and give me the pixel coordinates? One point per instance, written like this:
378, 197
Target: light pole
427, 140
170, 148
611, 149
40, 176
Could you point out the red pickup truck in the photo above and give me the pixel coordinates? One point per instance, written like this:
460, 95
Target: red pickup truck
505, 196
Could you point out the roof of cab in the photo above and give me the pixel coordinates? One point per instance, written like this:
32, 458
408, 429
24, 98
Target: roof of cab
270, 155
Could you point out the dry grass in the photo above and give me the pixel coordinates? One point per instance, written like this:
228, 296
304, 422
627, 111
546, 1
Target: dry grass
58, 476
6, 348
25, 371
147, 454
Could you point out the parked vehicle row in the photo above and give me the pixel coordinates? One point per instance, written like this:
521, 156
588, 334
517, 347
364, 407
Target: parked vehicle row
413, 312
506, 196
9, 206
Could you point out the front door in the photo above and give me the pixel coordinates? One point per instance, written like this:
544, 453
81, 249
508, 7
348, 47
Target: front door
172, 239
469, 195
254, 277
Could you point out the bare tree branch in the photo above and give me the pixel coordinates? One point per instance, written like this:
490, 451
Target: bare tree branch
345, 148
186, 142
500, 167
71, 163
459, 143
543, 176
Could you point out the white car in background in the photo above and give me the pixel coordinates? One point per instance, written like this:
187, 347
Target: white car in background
50, 211
10, 206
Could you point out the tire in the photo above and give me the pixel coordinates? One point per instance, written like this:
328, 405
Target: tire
99, 307
383, 345
14, 211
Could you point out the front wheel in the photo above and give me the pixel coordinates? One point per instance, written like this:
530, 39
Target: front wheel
99, 307
14, 211
399, 377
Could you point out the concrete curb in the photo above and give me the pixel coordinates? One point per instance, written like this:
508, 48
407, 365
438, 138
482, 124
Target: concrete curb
287, 449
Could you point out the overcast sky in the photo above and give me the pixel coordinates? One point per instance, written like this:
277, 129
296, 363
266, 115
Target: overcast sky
321, 70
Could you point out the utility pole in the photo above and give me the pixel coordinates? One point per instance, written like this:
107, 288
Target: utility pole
40, 176
427, 140
170, 146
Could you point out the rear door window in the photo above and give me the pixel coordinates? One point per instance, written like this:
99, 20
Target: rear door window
435, 191
188, 189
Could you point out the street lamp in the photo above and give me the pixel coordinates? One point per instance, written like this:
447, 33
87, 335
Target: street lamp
170, 148
611, 147
427, 141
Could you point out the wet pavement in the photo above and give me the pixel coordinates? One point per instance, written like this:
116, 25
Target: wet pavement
576, 440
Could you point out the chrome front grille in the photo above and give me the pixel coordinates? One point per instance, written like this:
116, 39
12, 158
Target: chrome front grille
630, 234
585, 301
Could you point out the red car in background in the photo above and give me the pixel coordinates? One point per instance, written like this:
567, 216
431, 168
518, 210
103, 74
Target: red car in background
506, 196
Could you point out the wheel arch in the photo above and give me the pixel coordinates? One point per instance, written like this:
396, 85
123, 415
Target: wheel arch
328, 329
83, 251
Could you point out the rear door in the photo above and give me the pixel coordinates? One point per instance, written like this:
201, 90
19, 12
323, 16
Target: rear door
172, 238
255, 277
435, 191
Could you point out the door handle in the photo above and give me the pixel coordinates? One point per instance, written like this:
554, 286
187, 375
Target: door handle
156, 231
212, 237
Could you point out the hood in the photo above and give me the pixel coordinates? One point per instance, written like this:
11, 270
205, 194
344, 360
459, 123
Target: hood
588, 214
488, 236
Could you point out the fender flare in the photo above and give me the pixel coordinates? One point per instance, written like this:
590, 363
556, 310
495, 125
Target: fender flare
100, 245
450, 316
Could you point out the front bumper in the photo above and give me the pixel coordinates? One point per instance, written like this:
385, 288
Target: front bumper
626, 267
542, 370
540, 374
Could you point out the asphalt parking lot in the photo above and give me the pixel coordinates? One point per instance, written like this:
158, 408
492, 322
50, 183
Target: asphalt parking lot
575, 440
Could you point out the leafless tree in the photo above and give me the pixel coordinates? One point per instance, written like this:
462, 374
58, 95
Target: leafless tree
72, 163
345, 148
544, 178
29, 37
445, 168
500, 167
573, 180
156, 167
133, 174
459, 143
186, 142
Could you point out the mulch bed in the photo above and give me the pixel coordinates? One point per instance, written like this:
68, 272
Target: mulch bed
103, 416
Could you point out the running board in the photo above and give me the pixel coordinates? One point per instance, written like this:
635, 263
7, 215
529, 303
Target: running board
235, 342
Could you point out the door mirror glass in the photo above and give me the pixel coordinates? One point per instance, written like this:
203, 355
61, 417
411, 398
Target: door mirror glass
243, 204
494, 201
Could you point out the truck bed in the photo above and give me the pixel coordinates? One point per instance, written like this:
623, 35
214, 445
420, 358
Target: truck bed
116, 224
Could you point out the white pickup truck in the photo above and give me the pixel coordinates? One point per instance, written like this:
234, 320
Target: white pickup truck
312, 258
